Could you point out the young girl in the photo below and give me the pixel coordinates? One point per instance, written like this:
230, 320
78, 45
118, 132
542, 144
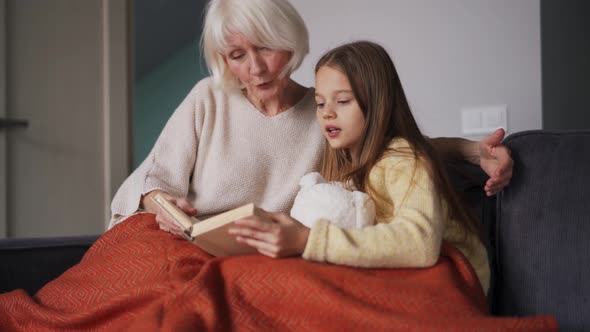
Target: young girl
374, 145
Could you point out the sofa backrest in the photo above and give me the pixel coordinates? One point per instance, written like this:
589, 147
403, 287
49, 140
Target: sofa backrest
30, 263
542, 230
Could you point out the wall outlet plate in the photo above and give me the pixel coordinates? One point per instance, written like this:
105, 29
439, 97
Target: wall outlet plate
483, 120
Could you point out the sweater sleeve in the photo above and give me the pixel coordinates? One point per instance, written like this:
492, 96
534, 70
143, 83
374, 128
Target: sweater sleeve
169, 165
410, 237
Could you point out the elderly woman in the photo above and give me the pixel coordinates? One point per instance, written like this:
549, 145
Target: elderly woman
249, 132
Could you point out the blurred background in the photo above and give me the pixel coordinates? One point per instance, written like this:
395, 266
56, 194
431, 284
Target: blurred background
87, 85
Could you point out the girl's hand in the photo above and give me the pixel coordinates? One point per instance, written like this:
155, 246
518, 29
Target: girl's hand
282, 237
164, 220
495, 160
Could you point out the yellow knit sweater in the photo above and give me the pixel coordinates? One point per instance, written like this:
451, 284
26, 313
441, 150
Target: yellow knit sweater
409, 228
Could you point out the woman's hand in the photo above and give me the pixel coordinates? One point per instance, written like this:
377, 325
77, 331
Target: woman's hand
165, 222
495, 160
282, 237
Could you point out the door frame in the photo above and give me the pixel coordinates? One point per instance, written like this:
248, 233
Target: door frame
117, 68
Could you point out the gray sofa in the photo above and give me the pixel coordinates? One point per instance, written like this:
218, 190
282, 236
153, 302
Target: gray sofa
542, 230
537, 232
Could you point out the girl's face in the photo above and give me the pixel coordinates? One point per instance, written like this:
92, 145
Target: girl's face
338, 111
257, 67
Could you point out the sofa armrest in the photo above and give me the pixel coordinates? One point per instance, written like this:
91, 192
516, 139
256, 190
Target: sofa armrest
542, 229
29, 263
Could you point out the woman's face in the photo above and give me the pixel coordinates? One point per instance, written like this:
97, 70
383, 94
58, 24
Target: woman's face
257, 67
338, 111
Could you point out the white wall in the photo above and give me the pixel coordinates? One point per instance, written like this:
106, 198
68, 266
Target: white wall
450, 54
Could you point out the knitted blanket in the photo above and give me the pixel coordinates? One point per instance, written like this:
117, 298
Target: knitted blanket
139, 278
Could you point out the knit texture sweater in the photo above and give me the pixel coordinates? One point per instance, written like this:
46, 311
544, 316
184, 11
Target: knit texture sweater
220, 152
409, 228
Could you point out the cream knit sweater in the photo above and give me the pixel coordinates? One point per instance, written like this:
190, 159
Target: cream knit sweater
221, 152
409, 226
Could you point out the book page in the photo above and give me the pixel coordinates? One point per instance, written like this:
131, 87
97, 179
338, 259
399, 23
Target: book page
212, 235
182, 219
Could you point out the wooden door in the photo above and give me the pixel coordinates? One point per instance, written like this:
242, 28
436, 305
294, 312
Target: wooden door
66, 65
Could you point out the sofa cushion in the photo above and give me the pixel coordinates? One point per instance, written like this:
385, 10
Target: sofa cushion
543, 229
29, 263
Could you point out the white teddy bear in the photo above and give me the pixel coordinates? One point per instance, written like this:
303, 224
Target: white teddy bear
319, 199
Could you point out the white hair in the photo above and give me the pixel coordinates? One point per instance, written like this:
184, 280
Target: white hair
268, 23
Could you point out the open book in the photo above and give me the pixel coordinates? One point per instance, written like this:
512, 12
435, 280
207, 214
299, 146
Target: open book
211, 234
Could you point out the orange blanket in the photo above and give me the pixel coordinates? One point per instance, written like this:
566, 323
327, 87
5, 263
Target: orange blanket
136, 277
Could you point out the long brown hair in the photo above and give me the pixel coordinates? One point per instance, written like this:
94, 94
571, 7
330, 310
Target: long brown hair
379, 93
